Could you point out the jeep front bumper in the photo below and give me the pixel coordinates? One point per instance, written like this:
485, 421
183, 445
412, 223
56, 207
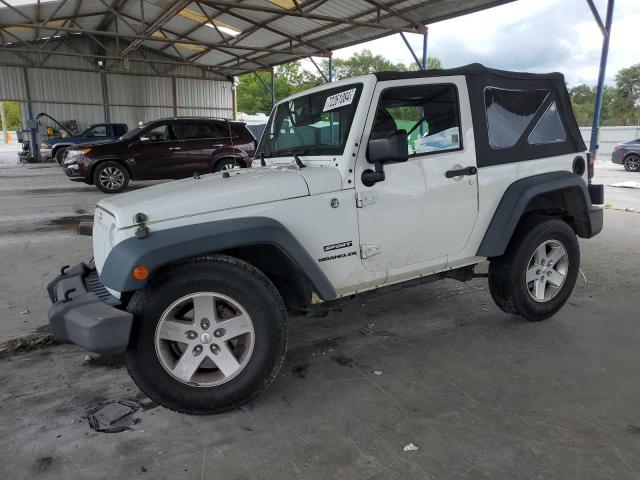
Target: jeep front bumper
84, 312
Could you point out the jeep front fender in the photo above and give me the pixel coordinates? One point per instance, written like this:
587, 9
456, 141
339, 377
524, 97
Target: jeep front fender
164, 247
521, 197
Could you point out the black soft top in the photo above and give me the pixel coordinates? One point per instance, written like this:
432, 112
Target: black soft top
466, 70
479, 78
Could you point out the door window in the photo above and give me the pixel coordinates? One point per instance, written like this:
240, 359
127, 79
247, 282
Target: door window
196, 131
161, 133
429, 115
119, 130
98, 131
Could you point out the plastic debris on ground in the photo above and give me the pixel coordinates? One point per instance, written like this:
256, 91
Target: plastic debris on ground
113, 416
411, 448
629, 184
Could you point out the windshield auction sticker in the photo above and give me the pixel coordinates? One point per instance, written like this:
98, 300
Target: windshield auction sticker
339, 100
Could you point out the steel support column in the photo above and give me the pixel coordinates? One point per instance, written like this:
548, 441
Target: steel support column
331, 68
273, 87
413, 53
595, 130
33, 146
105, 97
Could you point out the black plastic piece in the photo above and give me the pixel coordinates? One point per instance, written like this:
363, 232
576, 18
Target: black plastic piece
63, 269
370, 177
67, 293
461, 172
596, 193
393, 148
85, 319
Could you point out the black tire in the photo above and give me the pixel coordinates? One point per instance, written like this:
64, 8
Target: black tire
507, 274
60, 155
119, 174
223, 275
632, 163
225, 164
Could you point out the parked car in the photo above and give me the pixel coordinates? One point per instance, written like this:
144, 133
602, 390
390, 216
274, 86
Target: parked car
193, 280
628, 154
168, 148
57, 146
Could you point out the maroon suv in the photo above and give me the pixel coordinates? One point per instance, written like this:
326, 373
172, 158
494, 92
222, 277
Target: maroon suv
167, 148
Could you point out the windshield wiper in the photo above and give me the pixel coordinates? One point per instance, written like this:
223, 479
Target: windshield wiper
295, 154
297, 159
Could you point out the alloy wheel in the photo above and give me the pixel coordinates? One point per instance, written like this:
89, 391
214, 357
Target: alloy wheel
111, 178
204, 339
547, 270
632, 163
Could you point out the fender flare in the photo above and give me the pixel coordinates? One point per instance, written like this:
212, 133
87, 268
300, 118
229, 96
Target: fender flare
516, 198
164, 247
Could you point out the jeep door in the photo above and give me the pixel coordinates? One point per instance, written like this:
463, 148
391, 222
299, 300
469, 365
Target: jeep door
155, 154
425, 208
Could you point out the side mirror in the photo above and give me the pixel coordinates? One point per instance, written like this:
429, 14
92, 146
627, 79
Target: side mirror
144, 139
393, 148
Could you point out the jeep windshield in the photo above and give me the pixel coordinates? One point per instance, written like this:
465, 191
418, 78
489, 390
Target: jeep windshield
314, 124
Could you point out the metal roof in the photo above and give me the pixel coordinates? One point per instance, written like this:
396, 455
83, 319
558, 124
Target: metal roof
220, 36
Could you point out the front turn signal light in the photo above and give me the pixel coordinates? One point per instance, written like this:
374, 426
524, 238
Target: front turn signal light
85, 150
140, 272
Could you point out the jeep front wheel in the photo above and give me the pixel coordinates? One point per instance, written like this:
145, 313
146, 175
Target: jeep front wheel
209, 335
537, 273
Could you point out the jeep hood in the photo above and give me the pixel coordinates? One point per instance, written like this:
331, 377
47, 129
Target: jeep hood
215, 192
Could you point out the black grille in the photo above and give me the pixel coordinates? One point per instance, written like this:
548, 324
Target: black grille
95, 286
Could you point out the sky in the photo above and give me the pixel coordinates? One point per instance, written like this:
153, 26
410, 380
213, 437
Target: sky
527, 35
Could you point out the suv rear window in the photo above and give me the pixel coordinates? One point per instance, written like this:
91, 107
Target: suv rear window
195, 131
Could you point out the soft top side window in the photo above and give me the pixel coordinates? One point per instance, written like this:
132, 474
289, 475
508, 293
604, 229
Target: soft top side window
511, 113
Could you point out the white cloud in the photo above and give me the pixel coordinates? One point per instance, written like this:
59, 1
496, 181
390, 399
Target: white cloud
529, 35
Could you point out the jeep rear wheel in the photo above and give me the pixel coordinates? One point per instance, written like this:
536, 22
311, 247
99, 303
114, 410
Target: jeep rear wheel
209, 335
632, 163
537, 273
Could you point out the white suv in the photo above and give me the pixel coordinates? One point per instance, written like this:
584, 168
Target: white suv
359, 186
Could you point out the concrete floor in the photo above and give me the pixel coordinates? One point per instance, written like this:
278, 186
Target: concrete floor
480, 393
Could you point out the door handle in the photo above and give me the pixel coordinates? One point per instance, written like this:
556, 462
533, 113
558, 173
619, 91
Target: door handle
174, 148
461, 172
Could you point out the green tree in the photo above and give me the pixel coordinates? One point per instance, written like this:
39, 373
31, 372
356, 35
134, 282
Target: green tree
365, 62
291, 78
13, 115
625, 102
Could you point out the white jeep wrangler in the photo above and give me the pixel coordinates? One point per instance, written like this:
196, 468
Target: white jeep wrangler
359, 187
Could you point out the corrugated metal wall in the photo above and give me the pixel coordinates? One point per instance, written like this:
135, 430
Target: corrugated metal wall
68, 89
610, 137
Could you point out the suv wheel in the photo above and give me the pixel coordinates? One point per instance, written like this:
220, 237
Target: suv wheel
225, 164
111, 177
537, 273
632, 163
209, 335
60, 155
